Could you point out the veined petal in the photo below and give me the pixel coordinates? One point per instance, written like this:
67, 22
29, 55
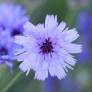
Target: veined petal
73, 48
29, 62
70, 35
25, 41
67, 58
21, 56
25, 67
60, 72
61, 26
30, 28
22, 40
50, 22
42, 72
56, 71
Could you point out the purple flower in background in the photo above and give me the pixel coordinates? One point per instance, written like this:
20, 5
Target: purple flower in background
12, 17
48, 48
51, 85
84, 24
69, 84
6, 48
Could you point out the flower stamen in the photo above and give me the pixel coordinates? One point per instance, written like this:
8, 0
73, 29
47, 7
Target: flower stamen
47, 46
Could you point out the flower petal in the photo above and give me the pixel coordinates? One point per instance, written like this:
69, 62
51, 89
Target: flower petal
51, 22
61, 26
42, 72
72, 48
70, 35
25, 67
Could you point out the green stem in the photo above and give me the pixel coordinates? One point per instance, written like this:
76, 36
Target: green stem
12, 82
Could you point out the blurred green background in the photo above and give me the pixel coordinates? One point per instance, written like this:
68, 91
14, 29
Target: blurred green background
78, 80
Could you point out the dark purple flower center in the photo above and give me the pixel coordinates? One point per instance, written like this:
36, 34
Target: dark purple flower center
47, 46
16, 32
3, 51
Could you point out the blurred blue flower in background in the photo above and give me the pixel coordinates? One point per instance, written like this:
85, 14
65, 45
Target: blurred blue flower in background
51, 84
84, 25
6, 47
69, 85
12, 17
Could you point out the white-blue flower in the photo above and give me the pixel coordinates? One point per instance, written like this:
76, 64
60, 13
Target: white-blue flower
12, 17
48, 48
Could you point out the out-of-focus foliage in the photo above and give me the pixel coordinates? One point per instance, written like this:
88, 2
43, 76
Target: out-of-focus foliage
16, 81
56, 7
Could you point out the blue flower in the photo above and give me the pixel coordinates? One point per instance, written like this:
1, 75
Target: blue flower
84, 24
51, 85
48, 48
6, 48
12, 17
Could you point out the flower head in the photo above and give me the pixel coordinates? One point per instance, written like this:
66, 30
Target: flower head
12, 17
6, 47
48, 48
